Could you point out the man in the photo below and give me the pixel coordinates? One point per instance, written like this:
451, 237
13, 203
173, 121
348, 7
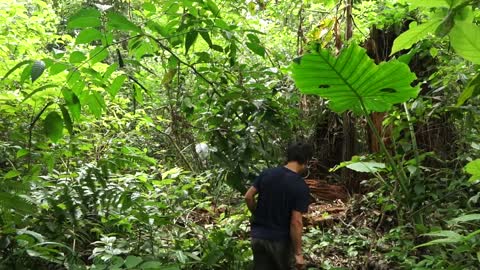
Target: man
277, 225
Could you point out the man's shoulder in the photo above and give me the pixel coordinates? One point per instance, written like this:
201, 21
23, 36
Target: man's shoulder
271, 170
299, 184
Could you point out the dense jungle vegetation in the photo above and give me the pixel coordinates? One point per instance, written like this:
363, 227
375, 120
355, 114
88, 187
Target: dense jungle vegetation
129, 130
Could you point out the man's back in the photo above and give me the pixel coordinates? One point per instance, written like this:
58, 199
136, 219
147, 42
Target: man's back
277, 224
280, 191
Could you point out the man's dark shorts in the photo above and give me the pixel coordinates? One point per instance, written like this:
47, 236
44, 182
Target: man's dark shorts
272, 255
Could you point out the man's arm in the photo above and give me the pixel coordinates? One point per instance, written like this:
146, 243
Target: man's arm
296, 228
250, 199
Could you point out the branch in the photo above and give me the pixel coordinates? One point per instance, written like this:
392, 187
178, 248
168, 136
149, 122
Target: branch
185, 63
30, 131
139, 84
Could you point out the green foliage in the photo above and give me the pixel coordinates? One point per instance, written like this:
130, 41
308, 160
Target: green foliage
473, 168
464, 35
353, 81
428, 4
457, 243
465, 39
137, 90
119, 22
472, 90
414, 34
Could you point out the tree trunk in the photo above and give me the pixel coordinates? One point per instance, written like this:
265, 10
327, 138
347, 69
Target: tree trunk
348, 121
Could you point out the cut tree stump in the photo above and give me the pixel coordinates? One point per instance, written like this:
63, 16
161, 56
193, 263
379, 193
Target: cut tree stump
328, 203
322, 191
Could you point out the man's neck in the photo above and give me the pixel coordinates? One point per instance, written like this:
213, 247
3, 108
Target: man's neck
294, 166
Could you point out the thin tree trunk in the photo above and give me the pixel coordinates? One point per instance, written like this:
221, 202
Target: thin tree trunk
348, 120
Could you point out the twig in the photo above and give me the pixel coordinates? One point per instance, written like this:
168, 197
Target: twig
178, 150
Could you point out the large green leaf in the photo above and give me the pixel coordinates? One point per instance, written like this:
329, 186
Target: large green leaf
414, 35
120, 22
116, 85
98, 54
67, 119
57, 68
449, 237
360, 164
88, 17
465, 40
353, 80
465, 218
213, 7
206, 37
256, 48
366, 166
72, 102
473, 168
96, 103
77, 57
54, 126
190, 38
88, 35
38, 68
472, 90
132, 261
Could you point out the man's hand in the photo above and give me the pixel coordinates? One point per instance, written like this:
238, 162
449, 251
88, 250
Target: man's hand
299, 261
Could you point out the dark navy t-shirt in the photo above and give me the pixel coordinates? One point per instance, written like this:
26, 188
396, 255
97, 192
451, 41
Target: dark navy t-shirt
280, 191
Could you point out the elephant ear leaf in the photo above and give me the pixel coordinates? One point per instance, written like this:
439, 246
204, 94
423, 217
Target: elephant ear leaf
352, 81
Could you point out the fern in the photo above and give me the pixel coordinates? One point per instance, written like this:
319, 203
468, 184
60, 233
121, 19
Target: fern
19, 203
11, 197
14, 186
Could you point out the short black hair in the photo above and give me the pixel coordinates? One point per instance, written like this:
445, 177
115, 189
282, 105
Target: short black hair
300, 152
